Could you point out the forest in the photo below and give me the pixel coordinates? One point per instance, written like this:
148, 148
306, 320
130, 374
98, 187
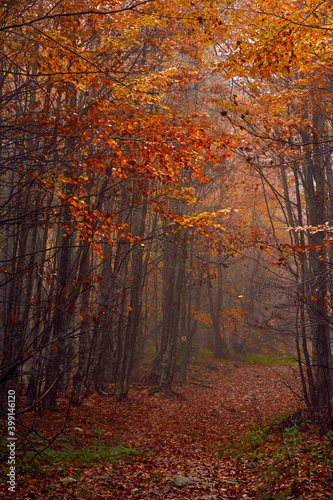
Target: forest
166, 257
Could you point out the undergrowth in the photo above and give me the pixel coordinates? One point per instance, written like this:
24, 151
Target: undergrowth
266, 359
204, 362
286, 458
202, 365
70, 451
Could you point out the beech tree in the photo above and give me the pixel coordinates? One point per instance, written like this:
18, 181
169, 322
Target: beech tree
92, 147
278, 62
118, 123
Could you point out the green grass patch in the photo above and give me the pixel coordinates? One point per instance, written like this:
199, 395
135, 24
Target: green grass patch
267, 359
202, 365
281, 455
204, 355
248, 446
71, 451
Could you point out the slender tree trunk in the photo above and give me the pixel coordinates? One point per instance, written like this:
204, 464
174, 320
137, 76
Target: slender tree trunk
135, 307
172, 316
84, 338
215, 309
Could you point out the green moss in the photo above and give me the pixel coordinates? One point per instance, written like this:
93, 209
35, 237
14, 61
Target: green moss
278, 452
267, 359
75, 453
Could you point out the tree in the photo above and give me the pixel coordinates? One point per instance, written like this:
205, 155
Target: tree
278, 61
94, 144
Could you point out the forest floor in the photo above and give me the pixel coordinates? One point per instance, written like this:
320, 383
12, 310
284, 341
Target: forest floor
212, 441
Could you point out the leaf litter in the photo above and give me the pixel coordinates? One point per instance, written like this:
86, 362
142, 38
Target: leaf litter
181, 445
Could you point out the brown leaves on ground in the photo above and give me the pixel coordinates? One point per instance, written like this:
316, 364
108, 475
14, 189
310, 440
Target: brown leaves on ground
177, 441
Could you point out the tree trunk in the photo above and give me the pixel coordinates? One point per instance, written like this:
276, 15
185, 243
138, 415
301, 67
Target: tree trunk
215, 309
172, 315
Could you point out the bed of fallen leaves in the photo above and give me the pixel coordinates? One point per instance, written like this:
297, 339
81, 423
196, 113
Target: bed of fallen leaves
178, 442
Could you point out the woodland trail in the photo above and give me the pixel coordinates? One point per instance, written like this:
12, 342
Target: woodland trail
179, 437
177, 440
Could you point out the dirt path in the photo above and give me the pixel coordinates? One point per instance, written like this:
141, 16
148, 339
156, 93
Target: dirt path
178, 438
